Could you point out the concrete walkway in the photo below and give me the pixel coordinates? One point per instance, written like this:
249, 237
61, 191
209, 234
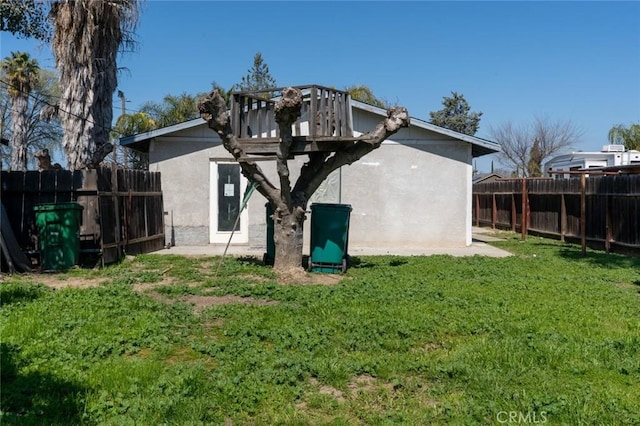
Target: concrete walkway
477, 247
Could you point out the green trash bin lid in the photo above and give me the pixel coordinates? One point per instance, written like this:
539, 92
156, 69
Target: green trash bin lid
57, 206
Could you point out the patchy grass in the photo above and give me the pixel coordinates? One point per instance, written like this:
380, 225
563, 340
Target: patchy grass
547, 333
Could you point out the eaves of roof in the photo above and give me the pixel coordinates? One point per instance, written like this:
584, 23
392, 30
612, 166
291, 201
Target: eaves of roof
479, 146
141, 140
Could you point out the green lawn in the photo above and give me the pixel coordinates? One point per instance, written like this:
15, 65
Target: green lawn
545, 336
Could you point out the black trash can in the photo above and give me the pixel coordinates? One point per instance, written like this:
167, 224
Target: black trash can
270, 255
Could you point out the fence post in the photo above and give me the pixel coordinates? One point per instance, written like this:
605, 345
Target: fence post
494, 210
477, 209
607, 234
514, 213
583, 212
563, 217
525, 208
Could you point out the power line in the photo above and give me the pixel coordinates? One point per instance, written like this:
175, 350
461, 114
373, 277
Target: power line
85, 119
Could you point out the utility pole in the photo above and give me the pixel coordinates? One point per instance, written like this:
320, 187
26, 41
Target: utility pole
123, 100
123, 105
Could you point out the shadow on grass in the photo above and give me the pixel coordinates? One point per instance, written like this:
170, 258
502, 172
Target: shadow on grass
19, 293
251, 260
36, 398
600, 258
357, 263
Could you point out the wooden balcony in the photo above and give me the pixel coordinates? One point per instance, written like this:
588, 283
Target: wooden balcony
325, 122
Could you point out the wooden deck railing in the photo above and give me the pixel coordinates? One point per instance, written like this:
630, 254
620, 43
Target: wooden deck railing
325, 117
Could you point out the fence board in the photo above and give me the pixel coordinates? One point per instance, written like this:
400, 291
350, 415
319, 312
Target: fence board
612, 207
117, 208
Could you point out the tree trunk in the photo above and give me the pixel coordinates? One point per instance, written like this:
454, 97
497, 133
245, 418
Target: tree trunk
85, 44
288, 238
19, 133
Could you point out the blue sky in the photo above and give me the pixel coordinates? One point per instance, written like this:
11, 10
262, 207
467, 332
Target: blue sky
577, 61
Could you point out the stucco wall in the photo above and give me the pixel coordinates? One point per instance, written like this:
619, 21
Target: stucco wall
184, 165
408, 196
414, 191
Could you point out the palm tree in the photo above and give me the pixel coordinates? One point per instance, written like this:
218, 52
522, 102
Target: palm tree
173, 109
131, 124
627, 136
22, 73
86, 39
364, 94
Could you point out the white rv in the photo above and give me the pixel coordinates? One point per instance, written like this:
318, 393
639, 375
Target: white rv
610, 155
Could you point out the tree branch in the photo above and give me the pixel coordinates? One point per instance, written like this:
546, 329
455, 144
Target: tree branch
320, 166
287, 111
213, 109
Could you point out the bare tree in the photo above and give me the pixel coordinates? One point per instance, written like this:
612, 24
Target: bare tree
526, 147
290, 202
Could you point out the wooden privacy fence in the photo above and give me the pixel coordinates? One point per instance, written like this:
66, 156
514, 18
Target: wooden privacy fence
122, 209
604, 210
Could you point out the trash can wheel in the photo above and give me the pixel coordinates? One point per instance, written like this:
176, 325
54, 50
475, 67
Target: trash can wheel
344, 265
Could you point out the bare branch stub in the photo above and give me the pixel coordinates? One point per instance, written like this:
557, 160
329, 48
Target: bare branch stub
319, 167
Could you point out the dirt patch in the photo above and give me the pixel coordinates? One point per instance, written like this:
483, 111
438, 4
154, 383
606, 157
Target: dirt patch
55, 281
426, 348
367, 384
301, 277
328, 390
201, 303
628, 286
360, 384
145, 287
256, 278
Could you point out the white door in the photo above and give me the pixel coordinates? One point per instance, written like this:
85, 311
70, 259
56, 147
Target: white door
227, 190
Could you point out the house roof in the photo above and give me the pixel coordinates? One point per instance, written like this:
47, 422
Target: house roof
482, 177
479, 146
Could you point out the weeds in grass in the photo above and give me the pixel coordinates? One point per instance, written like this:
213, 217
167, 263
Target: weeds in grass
409, 340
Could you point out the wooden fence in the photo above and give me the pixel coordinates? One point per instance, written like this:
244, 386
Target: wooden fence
122, 209
600, 210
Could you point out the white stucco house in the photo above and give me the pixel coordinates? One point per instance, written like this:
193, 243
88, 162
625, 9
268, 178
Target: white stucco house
415, 191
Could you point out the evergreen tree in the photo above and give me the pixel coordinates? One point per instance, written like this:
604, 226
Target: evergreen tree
456, 115
534, 167
257, 78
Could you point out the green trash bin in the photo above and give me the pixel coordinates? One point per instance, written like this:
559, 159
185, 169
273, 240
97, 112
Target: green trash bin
59, 234
270, 256
329, 237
